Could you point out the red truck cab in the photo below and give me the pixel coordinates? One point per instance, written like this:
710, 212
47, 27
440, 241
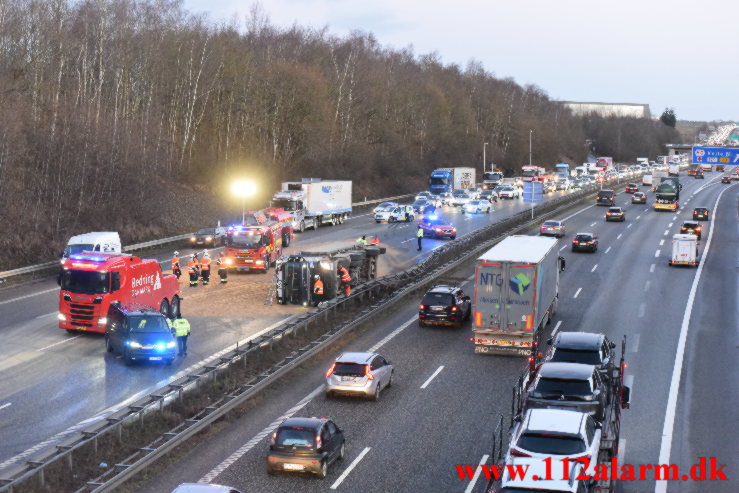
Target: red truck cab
91, 281
254, 247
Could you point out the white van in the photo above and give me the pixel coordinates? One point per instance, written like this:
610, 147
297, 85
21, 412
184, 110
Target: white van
684, 250
101, 241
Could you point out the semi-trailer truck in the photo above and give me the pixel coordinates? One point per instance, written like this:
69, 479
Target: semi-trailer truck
516, 293
314, 202
446, 180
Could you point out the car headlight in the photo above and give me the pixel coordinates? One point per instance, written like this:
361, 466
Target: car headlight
171, 344
61, 317
102, 321
192, 238
208, 238
134, 344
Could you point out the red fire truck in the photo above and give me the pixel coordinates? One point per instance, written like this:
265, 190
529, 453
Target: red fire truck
91, 281
259, 243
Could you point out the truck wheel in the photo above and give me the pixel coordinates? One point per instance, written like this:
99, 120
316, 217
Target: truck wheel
174, 307
266, 265
302, 226
164, 307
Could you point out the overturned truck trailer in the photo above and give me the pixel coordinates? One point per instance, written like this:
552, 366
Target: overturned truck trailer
295, 274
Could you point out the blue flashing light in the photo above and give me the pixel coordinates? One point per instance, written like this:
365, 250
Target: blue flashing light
433, 217
88, 258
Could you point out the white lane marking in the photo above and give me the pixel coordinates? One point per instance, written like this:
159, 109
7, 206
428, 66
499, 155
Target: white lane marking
670, 225
259, 437
642, 309
60, 342
474, 479
349, 469
592, 224
608, 249
629, 382
638, 217
656, 254
433, 375
392, 334
13, 300
578, 212
674, 217
409, 239
651, 268
577, 293
556, 328
646, 285
666, 446
661, 242
667, 231
114, 408
594, 267
7, 404
621, 449
46, 315
635, 344
619, 236
563, 247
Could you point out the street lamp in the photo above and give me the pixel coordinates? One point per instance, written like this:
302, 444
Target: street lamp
484, 161
243, 189
530, 134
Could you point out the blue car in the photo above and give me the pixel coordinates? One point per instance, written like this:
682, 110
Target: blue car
139, 333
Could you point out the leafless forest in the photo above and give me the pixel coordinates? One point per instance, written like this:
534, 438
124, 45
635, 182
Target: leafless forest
133, 115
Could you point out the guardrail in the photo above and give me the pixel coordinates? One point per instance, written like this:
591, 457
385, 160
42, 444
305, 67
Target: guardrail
383, 292
147, 244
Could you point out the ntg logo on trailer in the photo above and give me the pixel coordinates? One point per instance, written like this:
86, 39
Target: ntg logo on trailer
520, 284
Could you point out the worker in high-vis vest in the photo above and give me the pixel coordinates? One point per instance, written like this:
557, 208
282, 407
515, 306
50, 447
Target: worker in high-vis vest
363, 240
193, 269
222, 264
345, 280
419, 235
205, 268
176, 265
317, 290
181, 331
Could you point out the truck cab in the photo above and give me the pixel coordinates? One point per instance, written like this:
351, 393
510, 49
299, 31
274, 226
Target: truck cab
254, 247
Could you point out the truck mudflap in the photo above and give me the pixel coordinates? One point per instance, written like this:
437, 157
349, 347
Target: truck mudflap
503, 344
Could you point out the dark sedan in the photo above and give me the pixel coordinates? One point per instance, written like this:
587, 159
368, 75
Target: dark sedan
585, 242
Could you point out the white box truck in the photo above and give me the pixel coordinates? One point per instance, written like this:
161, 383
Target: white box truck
684, 250
516, 293
674, 170
314, 202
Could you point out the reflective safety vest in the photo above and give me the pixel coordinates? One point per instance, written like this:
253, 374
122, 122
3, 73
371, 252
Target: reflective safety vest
181, 327
419, 233
318, 287
175, 263
221, 262
192, 267
345, 277
205, 264
362, 241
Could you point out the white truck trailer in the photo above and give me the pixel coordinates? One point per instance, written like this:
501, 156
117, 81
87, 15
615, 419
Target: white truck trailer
314, 202
516, 293
684, 250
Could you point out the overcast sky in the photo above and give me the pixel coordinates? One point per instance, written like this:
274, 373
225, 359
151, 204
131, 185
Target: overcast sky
664, 53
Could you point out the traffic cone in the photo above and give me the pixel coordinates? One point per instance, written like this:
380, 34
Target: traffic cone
376, 241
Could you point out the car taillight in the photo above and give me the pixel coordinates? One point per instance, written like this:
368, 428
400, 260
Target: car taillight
698, 228
683, 228
273, 439
591, 243
331, 370
454, 308
421, 307
574, 242
367, 373
518, 453
318, 441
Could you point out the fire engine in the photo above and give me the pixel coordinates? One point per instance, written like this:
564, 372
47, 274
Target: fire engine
91, 281
532, 173
258, 243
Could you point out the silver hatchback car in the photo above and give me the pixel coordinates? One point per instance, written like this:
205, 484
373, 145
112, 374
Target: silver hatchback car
363, 374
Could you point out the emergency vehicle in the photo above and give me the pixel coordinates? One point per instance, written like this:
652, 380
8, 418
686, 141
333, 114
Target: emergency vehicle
533, 173
258, 243
91, 281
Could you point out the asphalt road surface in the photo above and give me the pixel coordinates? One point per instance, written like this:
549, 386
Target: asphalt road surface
445, 400
55, 383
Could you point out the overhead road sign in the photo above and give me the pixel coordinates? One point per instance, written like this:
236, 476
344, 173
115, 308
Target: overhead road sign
715, 155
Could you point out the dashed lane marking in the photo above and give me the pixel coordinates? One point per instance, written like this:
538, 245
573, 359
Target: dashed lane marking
350, 468
13, 300
433, 375
651, 268
594, 267
577, 293
556, 328
471, 486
